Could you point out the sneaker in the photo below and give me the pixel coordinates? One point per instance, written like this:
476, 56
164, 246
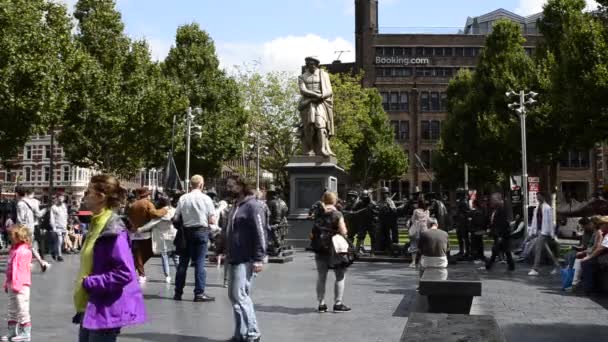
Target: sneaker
141, 280
60, 258
533, 273
413, 265
177, 297
322, 308
555, 271
341, 308
477, 262
24, 335
44, 266
203, 298
168, 279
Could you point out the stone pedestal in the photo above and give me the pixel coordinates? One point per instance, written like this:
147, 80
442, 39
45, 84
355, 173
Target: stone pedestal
308, 177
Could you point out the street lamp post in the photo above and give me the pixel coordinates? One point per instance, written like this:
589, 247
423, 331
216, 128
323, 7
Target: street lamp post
520, 108
189, 117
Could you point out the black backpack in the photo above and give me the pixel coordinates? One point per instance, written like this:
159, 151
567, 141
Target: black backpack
322, 233
45, 221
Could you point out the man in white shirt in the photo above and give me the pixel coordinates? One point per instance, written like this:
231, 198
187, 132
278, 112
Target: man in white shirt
28, 213
59, 225
194, 215
542, 221
590, 264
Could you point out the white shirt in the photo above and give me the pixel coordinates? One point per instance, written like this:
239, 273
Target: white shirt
59, 217
547, 224
195, 209
605, 241
28, 215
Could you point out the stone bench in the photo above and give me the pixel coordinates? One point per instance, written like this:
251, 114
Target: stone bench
449, 290
451, 328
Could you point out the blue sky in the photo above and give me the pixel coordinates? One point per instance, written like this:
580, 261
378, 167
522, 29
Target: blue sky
278, 34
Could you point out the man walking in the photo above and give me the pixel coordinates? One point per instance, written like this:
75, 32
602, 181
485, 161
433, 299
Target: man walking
500, 231
245, 252
58, 225
28, 213
195, 214
542, 222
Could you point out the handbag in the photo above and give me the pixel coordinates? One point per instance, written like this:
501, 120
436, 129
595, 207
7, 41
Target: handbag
342, 253
180, 237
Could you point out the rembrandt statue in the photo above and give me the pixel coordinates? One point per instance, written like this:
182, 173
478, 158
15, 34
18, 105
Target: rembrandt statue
316, 110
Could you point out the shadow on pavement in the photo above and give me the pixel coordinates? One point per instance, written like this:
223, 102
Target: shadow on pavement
284, 309
160, 337
555, 332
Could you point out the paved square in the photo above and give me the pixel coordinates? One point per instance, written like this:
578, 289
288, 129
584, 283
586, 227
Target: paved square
381, 295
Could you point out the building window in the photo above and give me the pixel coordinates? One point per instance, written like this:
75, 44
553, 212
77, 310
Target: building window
575, 159
435, 130
404, 101
404, 130
385, 102
395, 125
425, 157
444, 102
419, 51
47, 173
47, 152
430, 129
379, 51
407, 51
434, 102
28, 152
66, 173
28, 174
394, 101
458, 52
424, 101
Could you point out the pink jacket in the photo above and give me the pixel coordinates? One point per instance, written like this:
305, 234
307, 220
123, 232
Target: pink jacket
18, 270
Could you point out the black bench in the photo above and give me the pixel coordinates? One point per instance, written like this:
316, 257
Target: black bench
451, 328
449, 290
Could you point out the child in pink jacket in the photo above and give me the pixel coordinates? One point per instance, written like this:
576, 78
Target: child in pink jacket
17, 285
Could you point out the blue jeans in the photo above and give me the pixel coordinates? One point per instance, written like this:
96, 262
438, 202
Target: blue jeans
106, 335
164, 255
196, 250
239, 292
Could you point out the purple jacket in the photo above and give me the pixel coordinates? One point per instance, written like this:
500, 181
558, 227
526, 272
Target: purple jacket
115, 297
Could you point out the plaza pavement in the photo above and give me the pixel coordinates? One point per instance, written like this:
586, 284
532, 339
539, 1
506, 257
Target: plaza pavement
381, 295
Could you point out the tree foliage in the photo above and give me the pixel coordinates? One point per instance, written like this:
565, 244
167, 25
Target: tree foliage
192, 64
271, 101
364, 142
36, 52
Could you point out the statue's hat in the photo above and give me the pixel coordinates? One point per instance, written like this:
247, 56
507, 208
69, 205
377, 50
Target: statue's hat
311, 58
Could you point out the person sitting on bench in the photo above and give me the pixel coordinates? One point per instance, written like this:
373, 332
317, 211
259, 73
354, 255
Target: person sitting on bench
434, 245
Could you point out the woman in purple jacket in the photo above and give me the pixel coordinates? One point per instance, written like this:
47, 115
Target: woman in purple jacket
107, 296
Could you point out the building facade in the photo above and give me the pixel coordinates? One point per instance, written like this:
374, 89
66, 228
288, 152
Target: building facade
412, 71
31, 169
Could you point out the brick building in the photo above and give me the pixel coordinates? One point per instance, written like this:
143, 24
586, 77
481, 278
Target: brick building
411, 71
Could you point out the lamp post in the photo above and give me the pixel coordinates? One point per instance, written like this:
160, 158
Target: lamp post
520, 108
189, 117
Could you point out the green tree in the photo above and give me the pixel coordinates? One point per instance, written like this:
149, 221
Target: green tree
480, 129
35, 57
364, 142
272, 103
575, 59
120, 113
193, 65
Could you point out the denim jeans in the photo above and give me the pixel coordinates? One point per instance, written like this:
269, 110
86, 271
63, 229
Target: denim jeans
106, 335
56, 245
164, 255
196, 250
239, 292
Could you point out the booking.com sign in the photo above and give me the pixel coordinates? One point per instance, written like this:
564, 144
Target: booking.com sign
402, 60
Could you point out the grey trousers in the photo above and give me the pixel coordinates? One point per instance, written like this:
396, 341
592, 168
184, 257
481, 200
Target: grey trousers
542, 242
322, 270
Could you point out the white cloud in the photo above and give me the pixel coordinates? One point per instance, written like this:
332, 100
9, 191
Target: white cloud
527, 7
284, 53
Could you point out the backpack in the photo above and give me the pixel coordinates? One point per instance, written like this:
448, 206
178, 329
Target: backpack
45, 221
323, 231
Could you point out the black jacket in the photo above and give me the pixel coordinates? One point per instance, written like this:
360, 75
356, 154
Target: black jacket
499, 225
246, 237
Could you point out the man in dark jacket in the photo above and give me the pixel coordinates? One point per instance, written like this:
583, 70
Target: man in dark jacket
500, 230
245, 252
